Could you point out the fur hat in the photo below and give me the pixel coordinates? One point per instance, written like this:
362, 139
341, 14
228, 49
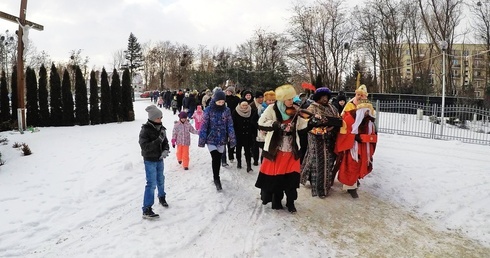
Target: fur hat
362, 90
341, 97
285, 92
270, 95
245, 92
231, 89
320, 92
219, 95
259, 94
153, 112
183, 114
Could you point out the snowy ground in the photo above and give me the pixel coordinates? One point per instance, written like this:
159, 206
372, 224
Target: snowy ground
80, 194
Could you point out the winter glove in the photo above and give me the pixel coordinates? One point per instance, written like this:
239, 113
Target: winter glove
173, 143
358, 138
276, 125
164, 154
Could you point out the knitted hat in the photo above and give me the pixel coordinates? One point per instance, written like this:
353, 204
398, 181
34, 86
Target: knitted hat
320, 92
153, 112
270, 95
285, 92
183, 114
341, 97
259, 94
231, 89
219, 95
362, 90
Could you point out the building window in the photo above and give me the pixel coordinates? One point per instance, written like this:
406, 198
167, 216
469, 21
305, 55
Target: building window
466, 52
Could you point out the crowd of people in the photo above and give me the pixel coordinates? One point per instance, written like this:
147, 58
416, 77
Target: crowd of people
291, 138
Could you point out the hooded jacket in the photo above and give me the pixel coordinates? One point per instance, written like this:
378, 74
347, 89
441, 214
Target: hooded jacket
217, 127
150, 141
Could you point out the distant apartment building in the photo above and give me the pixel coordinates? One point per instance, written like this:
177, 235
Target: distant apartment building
467, 66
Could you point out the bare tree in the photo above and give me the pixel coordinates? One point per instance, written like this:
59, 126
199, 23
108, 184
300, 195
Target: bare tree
321, 32
118, 59
481, 26
441, 17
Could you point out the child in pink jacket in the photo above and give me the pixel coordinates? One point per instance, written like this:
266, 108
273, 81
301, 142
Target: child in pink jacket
181, 137
198, 117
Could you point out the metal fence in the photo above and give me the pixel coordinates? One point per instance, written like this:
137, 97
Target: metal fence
463, 123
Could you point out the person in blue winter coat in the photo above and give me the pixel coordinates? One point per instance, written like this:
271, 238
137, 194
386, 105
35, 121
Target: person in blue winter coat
216, 131
154, 148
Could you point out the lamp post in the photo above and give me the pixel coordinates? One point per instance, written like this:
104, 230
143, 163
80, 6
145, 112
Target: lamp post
444, 46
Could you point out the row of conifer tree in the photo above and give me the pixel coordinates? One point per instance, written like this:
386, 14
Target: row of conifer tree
55, 105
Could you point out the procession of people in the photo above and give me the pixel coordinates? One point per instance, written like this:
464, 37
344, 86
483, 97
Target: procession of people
290, 143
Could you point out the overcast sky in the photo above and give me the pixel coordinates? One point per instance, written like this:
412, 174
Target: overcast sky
100, 27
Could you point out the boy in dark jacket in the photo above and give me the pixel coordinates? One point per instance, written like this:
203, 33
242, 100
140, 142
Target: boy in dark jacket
154, 148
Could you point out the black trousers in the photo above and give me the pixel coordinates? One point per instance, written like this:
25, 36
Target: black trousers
216, 163
246, 145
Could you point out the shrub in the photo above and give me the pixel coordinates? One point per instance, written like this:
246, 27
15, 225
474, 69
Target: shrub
4, 141
26, 150
17, 145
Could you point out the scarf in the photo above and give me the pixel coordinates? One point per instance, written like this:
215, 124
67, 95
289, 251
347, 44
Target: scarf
282, 110
355, 130
157, 126
244, 112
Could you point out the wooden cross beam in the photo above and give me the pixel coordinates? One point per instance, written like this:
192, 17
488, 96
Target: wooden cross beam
12, 18
23, 25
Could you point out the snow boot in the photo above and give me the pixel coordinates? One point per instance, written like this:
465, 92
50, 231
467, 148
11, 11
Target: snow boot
249, 166
353, 193
239, 164
276, 201
162, 201
291, 207
266, 197
217, 183
149, 214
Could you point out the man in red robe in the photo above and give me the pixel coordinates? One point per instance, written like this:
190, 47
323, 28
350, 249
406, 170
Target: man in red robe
355, 146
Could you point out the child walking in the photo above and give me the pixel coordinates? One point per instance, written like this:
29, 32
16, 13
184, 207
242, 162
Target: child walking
154, 148
198, 117
181, 137
174, 104
160, 102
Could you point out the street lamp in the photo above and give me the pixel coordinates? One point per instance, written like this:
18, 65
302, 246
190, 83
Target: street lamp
444, 46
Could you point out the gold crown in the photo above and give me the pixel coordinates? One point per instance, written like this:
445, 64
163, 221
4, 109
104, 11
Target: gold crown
364, 103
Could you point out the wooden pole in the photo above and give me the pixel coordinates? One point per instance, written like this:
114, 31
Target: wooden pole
20, 69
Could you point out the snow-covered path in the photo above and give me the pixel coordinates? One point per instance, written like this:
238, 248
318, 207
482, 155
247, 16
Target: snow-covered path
80, 193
